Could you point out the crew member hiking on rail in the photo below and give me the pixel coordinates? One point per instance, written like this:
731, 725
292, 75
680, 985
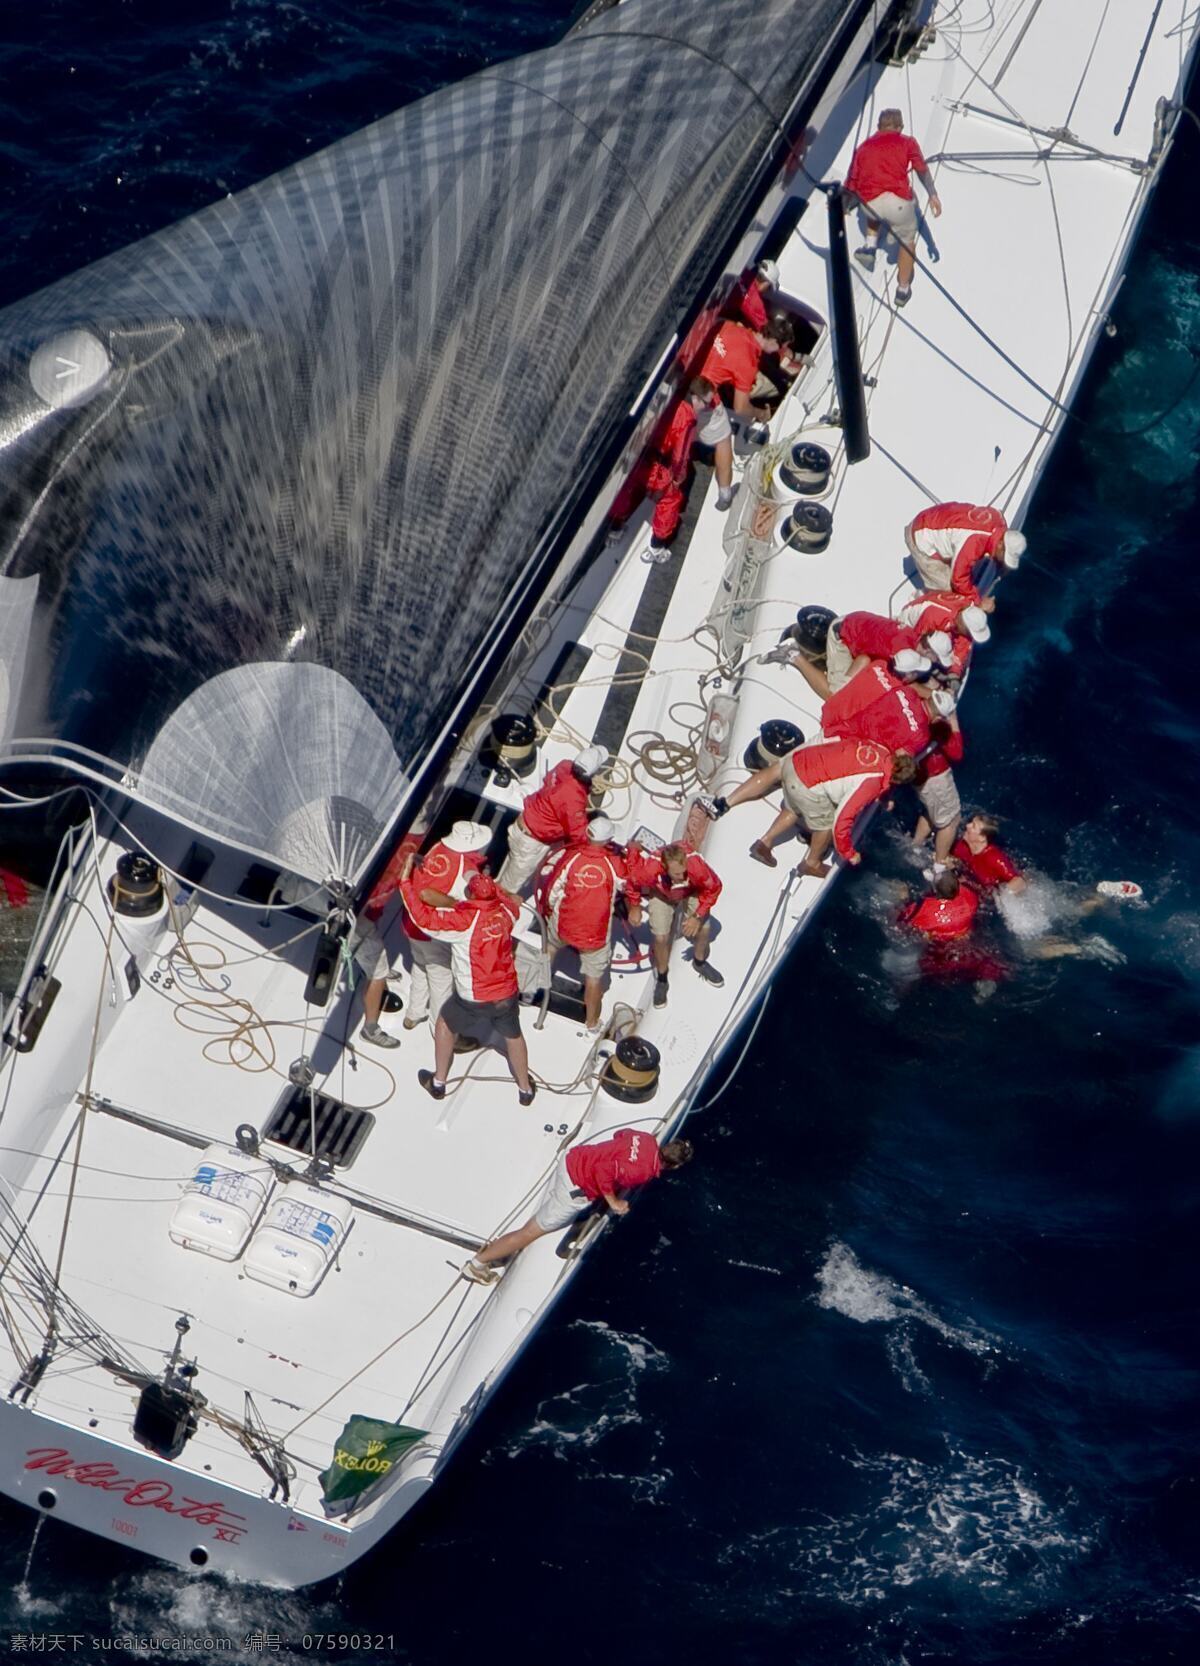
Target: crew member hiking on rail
680, 889
827, 784
949, 542
880, 178
582, 1176
555, 813
484, 1003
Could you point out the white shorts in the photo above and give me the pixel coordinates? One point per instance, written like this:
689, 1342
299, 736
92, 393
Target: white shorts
837, 659
561, 1200
713, 426
525, 856
940, 800
898, 213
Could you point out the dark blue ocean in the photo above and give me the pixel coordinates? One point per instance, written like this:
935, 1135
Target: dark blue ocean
905, 1370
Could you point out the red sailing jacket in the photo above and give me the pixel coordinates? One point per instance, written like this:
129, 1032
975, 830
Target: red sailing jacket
881, 163
948, 746
480, 937
647, 874
630, 1158
733, 358
851, 773
578, 893
746, 301
441, 870
943, 919
992, 866
874, 635
961, 535
558, 809
875, 705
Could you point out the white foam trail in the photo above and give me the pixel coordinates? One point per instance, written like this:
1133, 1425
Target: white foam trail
1030, 913
845, 1286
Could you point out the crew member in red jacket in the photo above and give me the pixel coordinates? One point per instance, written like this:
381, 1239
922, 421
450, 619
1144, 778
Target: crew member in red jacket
662, 471
879, 178
827, 784
555, 813
941, 807
945, 916
484, 1003
446, 867
948, 542
748, 297
883, 703
984, 864
576, 898
680, 889
582, 1176
856, 639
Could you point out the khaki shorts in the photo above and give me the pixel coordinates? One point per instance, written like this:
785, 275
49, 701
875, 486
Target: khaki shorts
940, 800
561, 1200
815, 808
663, 916
593, 963
837, 659
370, 956
898, 213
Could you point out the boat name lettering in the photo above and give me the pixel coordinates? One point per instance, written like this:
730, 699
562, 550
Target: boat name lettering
152, 1495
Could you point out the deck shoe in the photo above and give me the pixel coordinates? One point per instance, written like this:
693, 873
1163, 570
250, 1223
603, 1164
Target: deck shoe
526, 1099
413, 1023
379, 1037
762, 853
478, 1272
708, 973
660, 991
903, 296
435, 1090
714, 808
866, 257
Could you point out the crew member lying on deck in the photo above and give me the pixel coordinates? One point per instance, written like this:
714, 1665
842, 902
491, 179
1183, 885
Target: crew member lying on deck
582, 1176
681, 889
484, 1004
827, 784
555, 813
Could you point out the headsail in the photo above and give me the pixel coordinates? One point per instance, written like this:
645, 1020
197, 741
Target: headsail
328, 420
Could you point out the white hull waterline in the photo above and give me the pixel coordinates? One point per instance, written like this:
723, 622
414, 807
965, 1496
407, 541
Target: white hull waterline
167, 1033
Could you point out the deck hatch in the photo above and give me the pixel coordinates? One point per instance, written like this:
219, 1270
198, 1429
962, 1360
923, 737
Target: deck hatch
340, 1129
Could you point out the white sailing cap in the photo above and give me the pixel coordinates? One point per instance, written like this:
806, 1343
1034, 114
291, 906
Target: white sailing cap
975, 623
943, 702
600, 830
1014, 548
941, 647
592, 759
466, 836
769, 270
909, 663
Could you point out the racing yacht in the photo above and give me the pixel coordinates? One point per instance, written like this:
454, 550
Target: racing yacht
304, 521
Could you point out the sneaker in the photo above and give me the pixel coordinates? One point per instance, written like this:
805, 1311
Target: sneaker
866, 257
762, 853
413, 1023
656, 553
435, 1090
526, 1099
379, 1037
703, 969
935, 872
1125, 890
478, 1272
714, 808
903, 297
725, 497
660, 991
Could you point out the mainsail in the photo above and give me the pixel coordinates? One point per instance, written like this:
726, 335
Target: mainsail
325, 422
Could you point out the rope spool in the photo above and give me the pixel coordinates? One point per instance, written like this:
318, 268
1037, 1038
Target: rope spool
775, 739
807, 528
512, 747
136, 889
803, 472
630, 1073
811, 630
